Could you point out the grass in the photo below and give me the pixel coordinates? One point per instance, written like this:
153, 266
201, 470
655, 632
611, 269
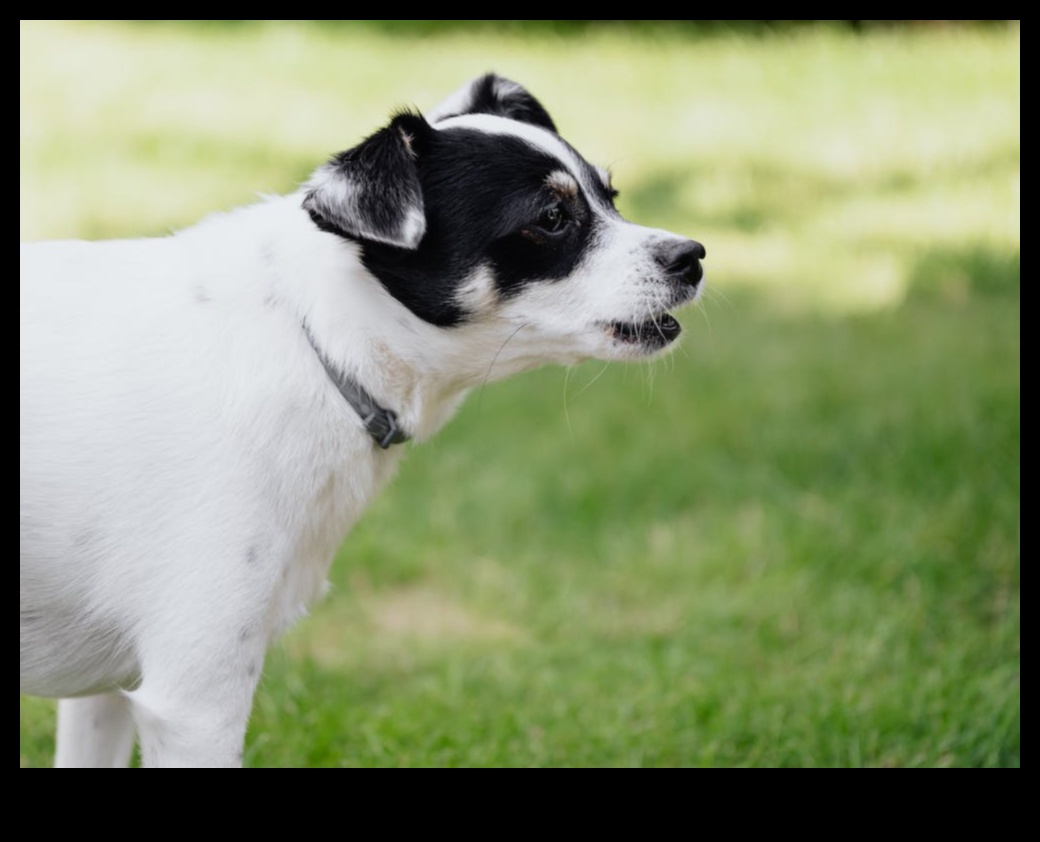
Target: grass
796, 542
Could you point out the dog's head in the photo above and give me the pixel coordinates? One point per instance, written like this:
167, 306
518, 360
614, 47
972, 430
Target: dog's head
480, 214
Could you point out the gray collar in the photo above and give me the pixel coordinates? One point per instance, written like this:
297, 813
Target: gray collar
381, 423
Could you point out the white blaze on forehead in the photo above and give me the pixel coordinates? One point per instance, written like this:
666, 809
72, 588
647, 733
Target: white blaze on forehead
536, 136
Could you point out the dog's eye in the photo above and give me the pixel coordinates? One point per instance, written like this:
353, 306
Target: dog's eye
553, 219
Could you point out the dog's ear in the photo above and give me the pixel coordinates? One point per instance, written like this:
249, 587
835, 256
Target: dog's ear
491, 94
372, 192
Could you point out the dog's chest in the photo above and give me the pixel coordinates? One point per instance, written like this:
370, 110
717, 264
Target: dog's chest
330, 501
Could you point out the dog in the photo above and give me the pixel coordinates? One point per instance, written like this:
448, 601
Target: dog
203, 416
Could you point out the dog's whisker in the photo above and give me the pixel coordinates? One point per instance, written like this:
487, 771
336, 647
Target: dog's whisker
494, 359
566, 409
714, 293
707, 320
591, 382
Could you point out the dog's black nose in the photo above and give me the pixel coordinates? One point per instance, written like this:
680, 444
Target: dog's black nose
681, 259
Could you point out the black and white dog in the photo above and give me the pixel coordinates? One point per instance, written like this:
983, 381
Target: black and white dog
204, 416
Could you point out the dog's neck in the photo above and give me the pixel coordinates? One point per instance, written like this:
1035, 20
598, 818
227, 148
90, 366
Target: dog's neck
380, 423
410, 375
357, 330
362, 335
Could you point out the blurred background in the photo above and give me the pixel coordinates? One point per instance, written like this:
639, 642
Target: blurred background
794, 542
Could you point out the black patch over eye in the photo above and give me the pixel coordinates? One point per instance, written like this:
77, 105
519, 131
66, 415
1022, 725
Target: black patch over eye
554, 219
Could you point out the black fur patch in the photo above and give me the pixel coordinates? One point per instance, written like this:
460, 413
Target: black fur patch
483, 194
371, 191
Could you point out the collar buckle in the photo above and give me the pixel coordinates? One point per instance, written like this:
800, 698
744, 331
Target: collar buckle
382, 426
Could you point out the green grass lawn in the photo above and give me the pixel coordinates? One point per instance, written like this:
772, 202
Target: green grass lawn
794, 542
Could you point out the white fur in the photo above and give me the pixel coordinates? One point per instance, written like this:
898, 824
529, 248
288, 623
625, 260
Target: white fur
188, 468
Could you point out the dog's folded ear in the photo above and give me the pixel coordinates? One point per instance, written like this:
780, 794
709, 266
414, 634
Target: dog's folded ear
372, 192
492, 94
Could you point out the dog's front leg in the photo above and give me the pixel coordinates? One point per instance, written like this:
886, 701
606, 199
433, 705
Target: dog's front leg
193, 703
180, 727
194, 712
94, 732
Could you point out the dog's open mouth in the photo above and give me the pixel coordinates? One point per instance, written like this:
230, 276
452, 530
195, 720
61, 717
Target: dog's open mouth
653, 333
